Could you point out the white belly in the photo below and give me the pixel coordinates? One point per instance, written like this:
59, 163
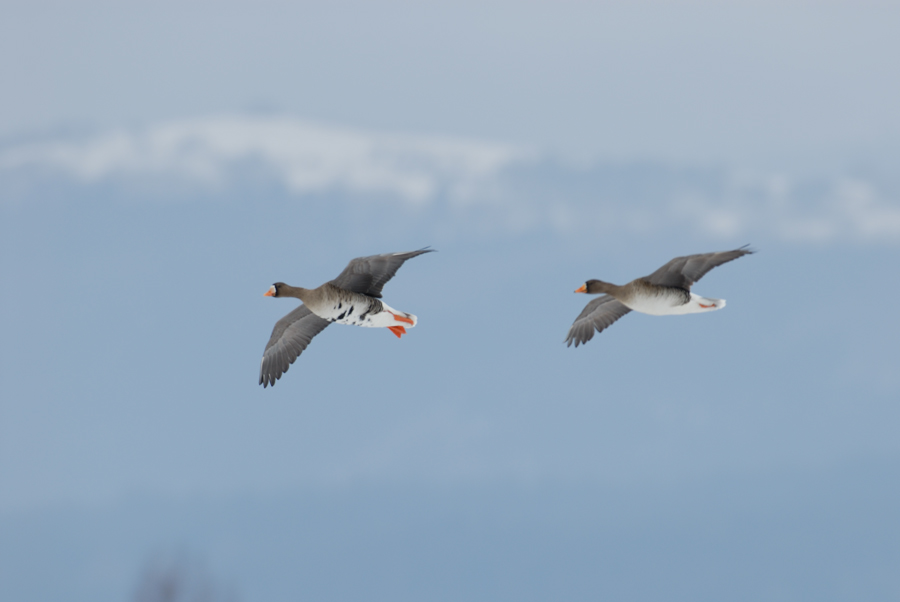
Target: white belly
657, 305
358, 314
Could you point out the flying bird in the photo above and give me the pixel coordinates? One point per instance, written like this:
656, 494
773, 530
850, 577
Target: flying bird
354, 297
665, 292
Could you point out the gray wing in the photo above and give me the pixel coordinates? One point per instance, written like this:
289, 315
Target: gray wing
682, 272
597, 315
290, 337
367, 275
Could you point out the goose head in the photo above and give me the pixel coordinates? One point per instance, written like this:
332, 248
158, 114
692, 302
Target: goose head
594, 287
274, 290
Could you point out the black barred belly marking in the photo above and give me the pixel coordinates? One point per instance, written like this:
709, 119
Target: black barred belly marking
359, 318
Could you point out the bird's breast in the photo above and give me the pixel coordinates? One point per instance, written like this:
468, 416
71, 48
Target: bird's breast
660, 302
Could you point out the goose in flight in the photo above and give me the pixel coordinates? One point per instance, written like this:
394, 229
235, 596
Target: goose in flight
354, 297
665, 292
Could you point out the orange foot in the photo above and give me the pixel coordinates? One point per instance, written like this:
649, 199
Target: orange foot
706, 306
397, 330
402, 319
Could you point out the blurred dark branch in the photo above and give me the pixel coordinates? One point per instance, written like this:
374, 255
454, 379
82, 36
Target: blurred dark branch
179, 579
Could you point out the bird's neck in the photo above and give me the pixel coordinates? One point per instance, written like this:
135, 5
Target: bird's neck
294, 291
598, 286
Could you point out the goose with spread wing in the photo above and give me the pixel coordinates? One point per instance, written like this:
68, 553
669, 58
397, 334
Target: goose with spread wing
665, 292
354, 297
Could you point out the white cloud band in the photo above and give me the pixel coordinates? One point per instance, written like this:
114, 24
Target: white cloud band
513, 188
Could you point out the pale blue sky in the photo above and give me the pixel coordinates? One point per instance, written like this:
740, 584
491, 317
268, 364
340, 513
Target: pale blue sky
161, 165
766, 83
